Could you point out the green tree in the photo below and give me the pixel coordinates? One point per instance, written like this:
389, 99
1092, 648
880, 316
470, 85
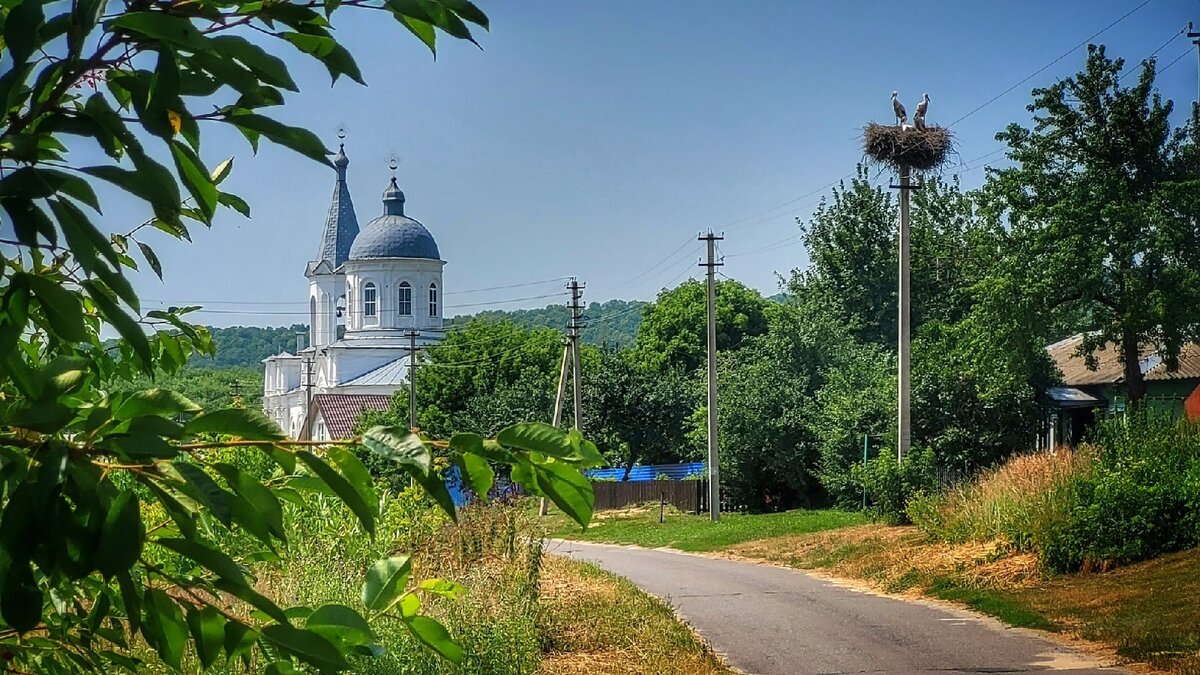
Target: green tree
1103, 204
121, 521
635, 415
673, 331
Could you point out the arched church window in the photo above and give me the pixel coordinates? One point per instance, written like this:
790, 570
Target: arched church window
369, 300
433, 299
405, 294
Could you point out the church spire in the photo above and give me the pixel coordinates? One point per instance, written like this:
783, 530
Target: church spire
341, 225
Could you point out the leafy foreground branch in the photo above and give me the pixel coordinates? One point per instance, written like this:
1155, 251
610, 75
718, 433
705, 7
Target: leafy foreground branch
84, 575
123, 515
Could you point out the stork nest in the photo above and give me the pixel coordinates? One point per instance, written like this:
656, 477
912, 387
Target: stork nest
899, 147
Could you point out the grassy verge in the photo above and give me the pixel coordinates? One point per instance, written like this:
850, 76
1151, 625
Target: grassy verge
595, 622
1146, 612
689, 532
522, 613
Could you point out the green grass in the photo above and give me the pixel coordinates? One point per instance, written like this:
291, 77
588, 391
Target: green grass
1000, 604
688, 532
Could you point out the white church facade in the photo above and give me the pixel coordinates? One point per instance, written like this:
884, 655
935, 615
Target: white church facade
368, 290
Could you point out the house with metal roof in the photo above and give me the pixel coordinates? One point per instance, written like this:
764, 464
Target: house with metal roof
1094, 390
374, 298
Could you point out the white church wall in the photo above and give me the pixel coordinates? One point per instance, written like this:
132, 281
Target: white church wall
387, 274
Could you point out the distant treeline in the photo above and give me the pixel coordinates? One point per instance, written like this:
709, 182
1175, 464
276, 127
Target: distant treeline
612, 323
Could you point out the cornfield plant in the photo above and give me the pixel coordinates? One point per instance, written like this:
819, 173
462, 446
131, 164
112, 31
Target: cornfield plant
101, 479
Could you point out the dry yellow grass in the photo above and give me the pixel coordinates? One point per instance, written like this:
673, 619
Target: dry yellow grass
594, 622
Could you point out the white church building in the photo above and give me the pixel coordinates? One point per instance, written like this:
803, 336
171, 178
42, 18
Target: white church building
368, 290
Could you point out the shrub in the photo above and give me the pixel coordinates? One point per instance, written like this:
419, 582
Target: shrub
891, 484
1142, 500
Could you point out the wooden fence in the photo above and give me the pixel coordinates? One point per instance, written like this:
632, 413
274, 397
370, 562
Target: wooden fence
686, 495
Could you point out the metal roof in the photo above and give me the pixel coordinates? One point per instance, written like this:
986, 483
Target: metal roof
394, 235
341, 225
392, 373
1109, 370
341, 411
1069, 397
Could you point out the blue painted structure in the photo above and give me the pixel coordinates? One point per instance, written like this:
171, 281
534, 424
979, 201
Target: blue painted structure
650, 472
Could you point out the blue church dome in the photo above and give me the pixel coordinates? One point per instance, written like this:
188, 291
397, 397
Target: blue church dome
394, 235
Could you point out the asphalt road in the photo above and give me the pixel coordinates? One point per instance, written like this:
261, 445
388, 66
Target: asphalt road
774, 621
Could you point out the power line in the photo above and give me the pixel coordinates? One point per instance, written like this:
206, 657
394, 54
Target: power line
305, 302
1046, 67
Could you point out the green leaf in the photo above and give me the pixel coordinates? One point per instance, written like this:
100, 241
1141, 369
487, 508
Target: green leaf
537, 437
468, 11
256, 495
160, 402
443, 588
234, 202
268, 68
131, 601
164, 27
222, 171
336, 58
435, 486
239, 639
200, 486
196, 178
568, 489
152, 259
342, 488
62, 308
64, 375
21, 29
244, 423
208, 633
301, 140
399, 445
340, 625
122, 535
476, 473
164, 627
253, 598
151, 182
385, 582
126, 326
84, 239
306, 645
354, 471
210, 558
435, 636
37, 183
20, 598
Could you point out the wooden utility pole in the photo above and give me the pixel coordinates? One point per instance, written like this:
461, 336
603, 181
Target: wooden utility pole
714, 480
573, 332
558, 404
412, 336
904, 328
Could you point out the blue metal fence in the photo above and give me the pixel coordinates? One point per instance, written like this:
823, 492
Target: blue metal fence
650, 472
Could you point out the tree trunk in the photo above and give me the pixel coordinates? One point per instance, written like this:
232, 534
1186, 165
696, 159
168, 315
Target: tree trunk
1135, 382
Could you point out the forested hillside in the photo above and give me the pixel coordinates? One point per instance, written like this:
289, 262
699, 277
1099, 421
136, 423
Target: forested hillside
247, 346
612, 323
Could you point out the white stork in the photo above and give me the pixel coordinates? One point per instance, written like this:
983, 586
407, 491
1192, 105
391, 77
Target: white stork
922, 107
901, 113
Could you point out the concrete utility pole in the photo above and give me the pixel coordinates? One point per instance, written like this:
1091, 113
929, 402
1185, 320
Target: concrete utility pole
903, 397
714, 478
412, 336
573, 331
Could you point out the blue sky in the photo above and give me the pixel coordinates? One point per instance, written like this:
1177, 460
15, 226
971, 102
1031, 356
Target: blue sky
596, 138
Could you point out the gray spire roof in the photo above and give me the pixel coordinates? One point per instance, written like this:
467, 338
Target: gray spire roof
341, 225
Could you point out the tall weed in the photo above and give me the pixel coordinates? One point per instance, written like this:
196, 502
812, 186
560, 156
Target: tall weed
1026, 501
